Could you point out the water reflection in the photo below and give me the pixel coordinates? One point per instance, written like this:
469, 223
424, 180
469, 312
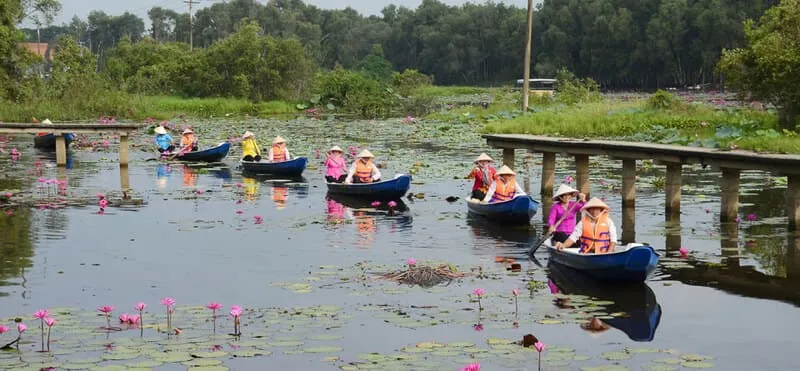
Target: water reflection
163, 172
189, 176
367, 215
279, 196
251, 188
638, 302
16, 244
504, 236
336, 213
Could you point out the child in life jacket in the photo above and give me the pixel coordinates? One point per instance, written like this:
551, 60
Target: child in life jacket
504, 187
596, 231
484, 174
278, 152
363, 170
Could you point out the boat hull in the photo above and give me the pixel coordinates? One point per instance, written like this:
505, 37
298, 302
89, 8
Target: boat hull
388, 189
214, 154
630, 264
293, 167
48, 141
518, 210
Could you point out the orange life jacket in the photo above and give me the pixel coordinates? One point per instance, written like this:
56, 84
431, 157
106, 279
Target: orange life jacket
278, 153
596, 236
364, 171
504, 191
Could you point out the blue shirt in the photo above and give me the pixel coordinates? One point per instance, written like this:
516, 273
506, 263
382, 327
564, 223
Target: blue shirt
163, 140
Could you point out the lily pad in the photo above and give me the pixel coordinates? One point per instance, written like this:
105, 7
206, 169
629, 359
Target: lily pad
218, 354
327, 349
199, 362
668, 361
616, 356
696, 364
286, 343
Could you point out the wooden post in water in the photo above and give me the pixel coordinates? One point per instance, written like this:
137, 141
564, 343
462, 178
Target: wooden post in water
672, 186
628, 224
793, 201
582, 173
730, 195
61, 149
123, 149
508, 157
629, 184
548, 174
124, 178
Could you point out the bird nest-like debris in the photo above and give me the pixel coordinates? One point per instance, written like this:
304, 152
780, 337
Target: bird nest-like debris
425, 276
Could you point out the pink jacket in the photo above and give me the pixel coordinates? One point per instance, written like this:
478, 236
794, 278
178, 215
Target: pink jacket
335, 167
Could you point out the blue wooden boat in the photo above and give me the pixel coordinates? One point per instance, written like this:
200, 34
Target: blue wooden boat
48, 141
638, 301
292, 167
518, 210
214, 154
384, 190
628, 264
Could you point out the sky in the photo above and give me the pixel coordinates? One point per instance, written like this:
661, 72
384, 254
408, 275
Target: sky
81, 8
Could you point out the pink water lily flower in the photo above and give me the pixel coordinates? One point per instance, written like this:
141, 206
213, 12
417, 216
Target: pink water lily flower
515, 292
683, 251
21, 328
258, 219
471, 367
751, 217
103, 203
236, 311
391, 204
478, 292
100, 196
41, 314
412, 261
9, 194
3, 329
168, 301
50, 322
133, 320
140, 306
124, 317
214, 306
375, 203
107, 309
539, 346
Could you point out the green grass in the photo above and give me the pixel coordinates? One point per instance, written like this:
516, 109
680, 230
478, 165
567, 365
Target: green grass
450, 91
139, 107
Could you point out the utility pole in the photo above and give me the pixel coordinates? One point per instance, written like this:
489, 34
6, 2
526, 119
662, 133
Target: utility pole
526, 84
191, 22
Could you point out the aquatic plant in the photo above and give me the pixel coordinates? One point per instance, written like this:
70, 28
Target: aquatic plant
539, 348
168, 302
391, 204
751, 217
20, 330
236, 313
50, 322
375, 203
106, 310
411, 262
479, 292
471, 367
683, 251
140, 307
214, 307
41, 314
258, 219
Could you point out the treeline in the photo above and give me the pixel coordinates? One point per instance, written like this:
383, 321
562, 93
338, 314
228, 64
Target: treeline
621, 44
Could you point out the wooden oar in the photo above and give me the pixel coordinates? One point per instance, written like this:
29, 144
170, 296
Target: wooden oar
546, 236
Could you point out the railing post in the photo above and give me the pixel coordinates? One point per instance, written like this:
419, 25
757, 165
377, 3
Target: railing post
793, 201
628, 183
730, 195
548, 174
508, 157
61, 149
582, 173
123, 149
672, 187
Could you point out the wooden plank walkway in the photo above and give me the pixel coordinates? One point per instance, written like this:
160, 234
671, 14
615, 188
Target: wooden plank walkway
59, 130
729, 162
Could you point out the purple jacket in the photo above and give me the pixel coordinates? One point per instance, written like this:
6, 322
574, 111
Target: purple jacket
557, 212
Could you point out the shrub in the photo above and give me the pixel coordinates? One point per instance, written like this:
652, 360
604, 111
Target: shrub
663, 100
571, 89
406, 82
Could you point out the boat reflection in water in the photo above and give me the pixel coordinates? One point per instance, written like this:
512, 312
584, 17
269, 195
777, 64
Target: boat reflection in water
637, 301
506, 236
366, 216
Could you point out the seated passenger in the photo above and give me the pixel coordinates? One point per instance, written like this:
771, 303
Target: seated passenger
504, 187
596, 231
363, 170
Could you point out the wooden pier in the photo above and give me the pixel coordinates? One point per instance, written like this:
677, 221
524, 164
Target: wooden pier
59, 130
730, 163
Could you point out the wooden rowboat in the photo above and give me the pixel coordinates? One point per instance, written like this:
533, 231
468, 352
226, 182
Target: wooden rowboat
293, 167
385, 190
629, 263
213, 154
518, 210
48, 141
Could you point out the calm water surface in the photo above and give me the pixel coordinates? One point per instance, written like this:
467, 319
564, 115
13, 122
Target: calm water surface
735, 299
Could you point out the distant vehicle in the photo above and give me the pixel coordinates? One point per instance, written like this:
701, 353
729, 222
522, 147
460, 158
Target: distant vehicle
540, 87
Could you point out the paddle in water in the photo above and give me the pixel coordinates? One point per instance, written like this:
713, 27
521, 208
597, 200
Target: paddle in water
548, 234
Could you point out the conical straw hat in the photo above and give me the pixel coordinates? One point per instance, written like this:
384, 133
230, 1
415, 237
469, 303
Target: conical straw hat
562, 190
278, 139
160, 130
505, 170
47, 122
248, 134
366, 153
595, 202
336, 149
188, 131
483, 157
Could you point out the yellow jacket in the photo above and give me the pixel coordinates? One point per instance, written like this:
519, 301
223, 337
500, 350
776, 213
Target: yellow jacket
250, 148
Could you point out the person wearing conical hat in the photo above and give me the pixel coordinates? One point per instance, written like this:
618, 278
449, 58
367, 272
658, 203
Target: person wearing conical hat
504, 187
562, 215
484, 174
596, 231
278, 152
250, 149
335, 165
188, 141
363, 170
164, 142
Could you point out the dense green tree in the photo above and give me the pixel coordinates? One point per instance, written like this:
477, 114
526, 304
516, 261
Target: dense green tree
769, 67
